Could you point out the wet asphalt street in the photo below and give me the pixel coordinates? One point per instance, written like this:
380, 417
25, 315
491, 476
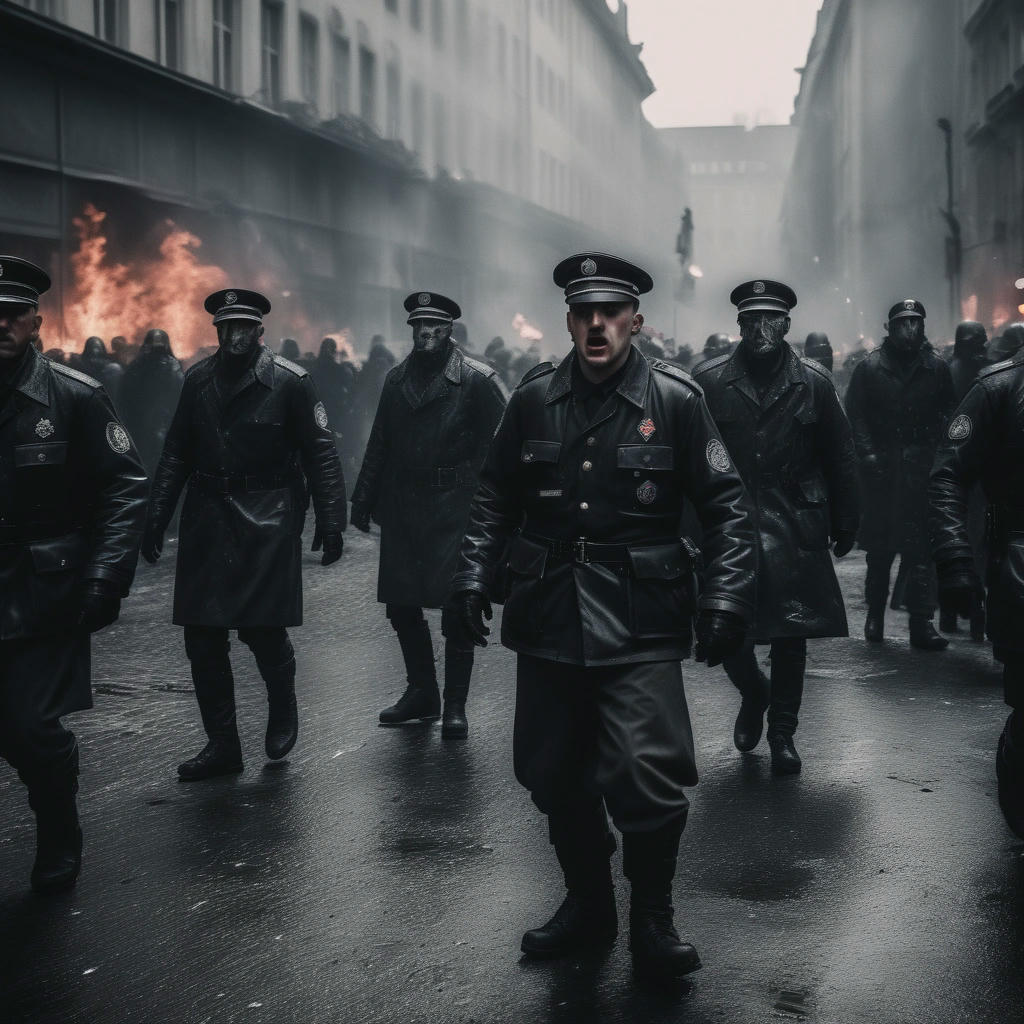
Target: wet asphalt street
382, 875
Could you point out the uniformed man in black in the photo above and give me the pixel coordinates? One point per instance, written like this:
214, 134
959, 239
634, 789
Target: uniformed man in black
985, 444
435, 419
586, 482
782, 422
249, 437
819, 348
899, 400
72, 507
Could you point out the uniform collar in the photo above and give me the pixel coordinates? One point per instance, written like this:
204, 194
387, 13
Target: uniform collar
632, 387
790, 374
263, 368
452, 368
925, 360
32, 377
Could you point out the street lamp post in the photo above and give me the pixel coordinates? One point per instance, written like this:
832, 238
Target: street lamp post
953, 240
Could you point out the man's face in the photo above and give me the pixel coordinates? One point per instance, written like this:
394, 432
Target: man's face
238, 337
601, 333
19, 328
430, 336
907, 333
763, 332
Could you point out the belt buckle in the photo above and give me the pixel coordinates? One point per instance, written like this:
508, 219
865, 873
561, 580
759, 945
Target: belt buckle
579, 550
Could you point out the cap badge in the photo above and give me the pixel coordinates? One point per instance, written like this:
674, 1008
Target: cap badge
718, 457
423, 298
320, 415
117, 438
647, 428
759, 287
647, 492
960, 428
908, 303
588, 267
229, 298
44, 428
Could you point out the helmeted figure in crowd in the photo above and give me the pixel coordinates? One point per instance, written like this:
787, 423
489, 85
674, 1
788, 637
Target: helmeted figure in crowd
435, 420
95, 362
72, 507
1006, 345
332, 382
819, 348
290, 350
248, 438
984, 444
899, 399
585, 484
149, 395
967, 361
715, 345
783, 425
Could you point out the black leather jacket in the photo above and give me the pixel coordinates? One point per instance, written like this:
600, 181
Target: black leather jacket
72, 496
622, 479
985, 443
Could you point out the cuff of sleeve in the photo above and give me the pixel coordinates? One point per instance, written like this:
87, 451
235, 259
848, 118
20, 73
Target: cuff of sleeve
726, 604
468, 581
119, 581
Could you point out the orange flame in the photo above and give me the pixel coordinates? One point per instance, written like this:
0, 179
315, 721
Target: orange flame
525, 329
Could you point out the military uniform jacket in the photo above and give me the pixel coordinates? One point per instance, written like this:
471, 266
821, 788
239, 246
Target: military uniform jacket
898, 415
72, 499
420, 473
794, 451
985, 443
621, 478
247, 454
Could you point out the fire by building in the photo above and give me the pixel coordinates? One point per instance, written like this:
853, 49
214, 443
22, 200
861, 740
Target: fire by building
334, 155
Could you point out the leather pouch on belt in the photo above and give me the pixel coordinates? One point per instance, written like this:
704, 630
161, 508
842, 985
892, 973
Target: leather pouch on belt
662, 591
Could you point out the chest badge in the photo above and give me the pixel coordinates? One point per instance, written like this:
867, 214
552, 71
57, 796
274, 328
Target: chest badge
647, 492
117, 438
647, 428
44, 428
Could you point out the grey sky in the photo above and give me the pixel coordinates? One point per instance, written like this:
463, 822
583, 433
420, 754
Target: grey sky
712, 60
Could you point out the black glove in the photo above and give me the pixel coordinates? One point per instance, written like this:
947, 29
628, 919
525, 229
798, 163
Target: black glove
843, 543
361, 517
334, 544
100, 606
471, 608
960, 589
719, 635
152, 543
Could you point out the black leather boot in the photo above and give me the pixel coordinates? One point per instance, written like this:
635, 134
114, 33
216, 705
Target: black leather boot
978, 621
746, 733
789, 663
587, 918
51, 795
222, 755
458, 668
649, 862
785, 759
283, 712
874, 624
421, 699
923, 635
1010, 773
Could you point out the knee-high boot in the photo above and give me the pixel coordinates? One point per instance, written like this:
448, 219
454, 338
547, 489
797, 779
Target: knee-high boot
458, 668
51, 794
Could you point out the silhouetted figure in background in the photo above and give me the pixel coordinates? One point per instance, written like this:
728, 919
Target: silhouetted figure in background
290, 350
818, 348
369, 385
149, 395
332, 385
1006, 345
97, 364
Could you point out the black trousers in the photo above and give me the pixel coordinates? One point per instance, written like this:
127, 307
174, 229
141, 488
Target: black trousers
207, 649
921, 588
789, 662
36, 675
620, 732
414, 636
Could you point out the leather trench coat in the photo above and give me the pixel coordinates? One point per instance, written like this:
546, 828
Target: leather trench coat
794, 451
984, 444
898, 416
250, 457
622, 478
72, 503
420, 472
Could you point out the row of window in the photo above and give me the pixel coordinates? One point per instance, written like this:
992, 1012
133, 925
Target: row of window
700, 167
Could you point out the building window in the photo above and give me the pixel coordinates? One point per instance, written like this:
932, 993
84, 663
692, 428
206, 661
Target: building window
309, 59
437, 22
110, 20
223, 43
342, 61
391, 5
168, 33
367, 85
416, 14
270, 49
393, 115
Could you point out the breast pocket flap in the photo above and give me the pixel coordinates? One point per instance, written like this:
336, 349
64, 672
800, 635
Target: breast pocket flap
641, 456
541, 451
54, 453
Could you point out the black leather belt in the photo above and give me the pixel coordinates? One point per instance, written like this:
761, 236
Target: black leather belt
584, 551
240, 483
447, 476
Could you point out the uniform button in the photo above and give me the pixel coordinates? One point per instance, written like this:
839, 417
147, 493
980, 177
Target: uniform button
591, 441
41, 456
636, 472
584, 506
587, 466
647, 460
527, 457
